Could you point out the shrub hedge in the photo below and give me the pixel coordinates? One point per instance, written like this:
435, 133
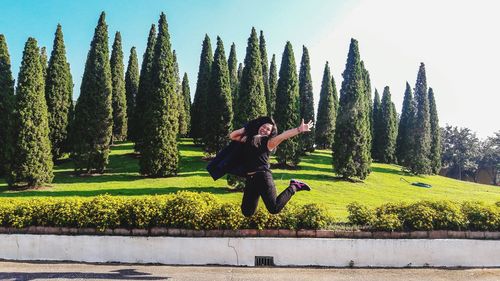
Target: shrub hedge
426, 215
188, 210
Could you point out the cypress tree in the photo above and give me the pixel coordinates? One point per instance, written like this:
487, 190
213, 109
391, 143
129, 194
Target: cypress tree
44, 62
306, 100
388, 125
335, 99
6, 105
240, 73
199, 108
32, 159
119, 96
420, 162
251, 96
376, 148
273, 84
265, 69
144, 91
351, 148
186, 93
59, 93
181, 114
325, 124
405, 139
93, 121
131, 89
369, 102
287, 107
160, 156
435, 155
232, 64
219, 101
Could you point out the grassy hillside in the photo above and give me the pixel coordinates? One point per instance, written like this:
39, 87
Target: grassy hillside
382, 185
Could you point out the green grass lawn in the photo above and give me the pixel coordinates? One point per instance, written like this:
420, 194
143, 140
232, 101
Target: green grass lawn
382, 185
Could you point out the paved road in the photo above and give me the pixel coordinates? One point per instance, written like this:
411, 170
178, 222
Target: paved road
20, 271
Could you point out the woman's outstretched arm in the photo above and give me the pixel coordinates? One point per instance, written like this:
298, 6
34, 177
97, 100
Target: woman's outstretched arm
238, 135
274, 142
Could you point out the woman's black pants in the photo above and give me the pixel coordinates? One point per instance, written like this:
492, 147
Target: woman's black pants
262, 184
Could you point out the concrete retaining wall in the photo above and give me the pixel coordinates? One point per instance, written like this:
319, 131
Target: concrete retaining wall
242, 251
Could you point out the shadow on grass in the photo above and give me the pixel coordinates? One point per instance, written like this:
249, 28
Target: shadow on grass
393, 171
122, 192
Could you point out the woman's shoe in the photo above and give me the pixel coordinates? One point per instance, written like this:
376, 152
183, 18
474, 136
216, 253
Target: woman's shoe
299, 186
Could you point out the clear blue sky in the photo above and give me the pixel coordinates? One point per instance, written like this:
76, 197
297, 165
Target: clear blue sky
457, 40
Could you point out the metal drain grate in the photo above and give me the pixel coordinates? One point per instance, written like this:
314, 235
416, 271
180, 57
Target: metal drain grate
264, 261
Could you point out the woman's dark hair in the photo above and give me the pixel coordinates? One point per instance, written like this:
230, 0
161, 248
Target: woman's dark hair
252, 129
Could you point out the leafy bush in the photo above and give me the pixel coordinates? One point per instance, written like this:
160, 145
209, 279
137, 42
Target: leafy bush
181, 210
387, 222
360, 214
427, 215
481, 217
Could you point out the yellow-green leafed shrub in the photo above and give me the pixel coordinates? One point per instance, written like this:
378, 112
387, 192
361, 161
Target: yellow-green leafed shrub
419, 216
387, 222
224, 216
481, 217
181, 210
144, 212
187, 210
360, 214
101, 212
448, 216
312, 216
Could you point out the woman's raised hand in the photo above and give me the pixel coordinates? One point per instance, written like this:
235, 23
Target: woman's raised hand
305, 127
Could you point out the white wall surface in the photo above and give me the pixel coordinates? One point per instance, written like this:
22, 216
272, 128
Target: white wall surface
242, 251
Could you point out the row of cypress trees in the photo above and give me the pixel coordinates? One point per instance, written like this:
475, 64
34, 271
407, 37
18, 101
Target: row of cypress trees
38, 124
35, 121
152, 108
226, 97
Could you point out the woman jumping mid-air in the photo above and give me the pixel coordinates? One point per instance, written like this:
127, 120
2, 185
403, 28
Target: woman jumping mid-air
259, 138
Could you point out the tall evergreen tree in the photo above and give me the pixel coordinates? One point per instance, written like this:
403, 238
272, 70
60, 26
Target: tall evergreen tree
405, 139
388, 123
232, 64
420, 162
119, 96
186, 94
160, 156
335, 98
44, 61
287, 113
351, 148
131, 89
6, 105
265, 68
59, 93
240, 73
181, 114
199, 108
369, 102
93, 121
306, 100
435, 155
377, 128
325, 123
251, 96
273, 84
32, 160
219, 101
144, 91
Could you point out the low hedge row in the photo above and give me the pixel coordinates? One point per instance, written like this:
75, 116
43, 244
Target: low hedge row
181, 210
426, 215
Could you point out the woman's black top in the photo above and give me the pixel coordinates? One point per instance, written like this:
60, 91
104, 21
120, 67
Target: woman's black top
256, 158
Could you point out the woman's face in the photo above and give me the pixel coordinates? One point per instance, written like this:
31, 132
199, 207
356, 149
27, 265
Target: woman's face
265, 130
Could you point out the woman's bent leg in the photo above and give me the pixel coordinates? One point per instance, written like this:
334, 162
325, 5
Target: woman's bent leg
250, 197
274, 204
